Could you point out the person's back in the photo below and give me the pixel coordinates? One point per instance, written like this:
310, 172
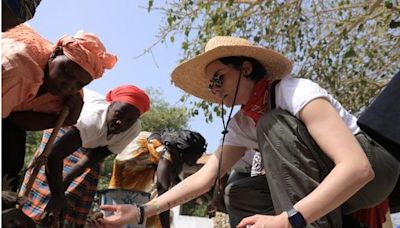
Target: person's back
25, 55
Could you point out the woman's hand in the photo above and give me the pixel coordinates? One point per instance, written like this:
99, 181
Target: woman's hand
266, 221
75, 104
122, 214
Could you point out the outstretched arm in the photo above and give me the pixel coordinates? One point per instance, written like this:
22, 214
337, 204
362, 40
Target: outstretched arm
198, 183
190, 188
65, 146
34, 121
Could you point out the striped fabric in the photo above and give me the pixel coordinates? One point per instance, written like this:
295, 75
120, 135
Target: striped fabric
79, 194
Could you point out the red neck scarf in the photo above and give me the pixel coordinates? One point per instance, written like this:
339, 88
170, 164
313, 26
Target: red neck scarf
257, 104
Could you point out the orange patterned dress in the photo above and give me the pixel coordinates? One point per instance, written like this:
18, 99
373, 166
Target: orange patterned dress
134, 169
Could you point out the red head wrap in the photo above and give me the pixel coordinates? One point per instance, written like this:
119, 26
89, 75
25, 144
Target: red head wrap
132, 95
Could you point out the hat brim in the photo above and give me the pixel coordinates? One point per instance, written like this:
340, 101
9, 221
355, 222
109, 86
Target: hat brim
191, 77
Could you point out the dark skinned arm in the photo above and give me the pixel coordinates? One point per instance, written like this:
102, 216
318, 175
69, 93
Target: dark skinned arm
65, 146
36, 121
163, 173
75, 105
92, 157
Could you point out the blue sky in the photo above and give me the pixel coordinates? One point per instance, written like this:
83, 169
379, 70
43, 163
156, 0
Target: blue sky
126, 29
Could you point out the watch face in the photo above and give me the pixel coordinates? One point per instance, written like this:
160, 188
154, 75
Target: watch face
296, 219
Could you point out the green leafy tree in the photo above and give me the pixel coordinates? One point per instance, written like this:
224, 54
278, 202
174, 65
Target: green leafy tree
350, 47
162, 115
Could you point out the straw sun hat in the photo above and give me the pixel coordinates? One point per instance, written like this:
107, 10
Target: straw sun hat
191, 77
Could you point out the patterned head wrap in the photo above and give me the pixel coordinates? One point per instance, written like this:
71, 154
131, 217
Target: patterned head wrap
87, 51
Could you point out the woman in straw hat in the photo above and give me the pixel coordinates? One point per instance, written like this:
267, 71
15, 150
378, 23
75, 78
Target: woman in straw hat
318, 163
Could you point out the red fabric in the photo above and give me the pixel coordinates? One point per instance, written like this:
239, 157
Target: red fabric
257, 104
373, 217
132, 95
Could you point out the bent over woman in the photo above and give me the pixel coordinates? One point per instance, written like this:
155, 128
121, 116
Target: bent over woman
38, 79
66, 186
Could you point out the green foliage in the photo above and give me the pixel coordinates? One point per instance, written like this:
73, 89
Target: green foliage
33, 139
350, 47
193, 208
162, 115
106, 172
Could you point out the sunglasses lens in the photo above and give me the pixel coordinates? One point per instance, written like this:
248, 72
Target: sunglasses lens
215, 84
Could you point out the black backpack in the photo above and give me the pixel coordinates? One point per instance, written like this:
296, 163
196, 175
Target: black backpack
381, 121
185, 140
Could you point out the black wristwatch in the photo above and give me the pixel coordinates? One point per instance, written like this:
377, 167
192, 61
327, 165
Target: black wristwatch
296, 219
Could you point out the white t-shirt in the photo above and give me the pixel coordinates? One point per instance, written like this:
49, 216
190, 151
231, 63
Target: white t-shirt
291, 94
93, 128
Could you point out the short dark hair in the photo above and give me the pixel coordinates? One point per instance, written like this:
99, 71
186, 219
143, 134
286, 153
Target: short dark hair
236, 61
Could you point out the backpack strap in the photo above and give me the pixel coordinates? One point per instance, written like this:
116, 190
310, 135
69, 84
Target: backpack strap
272, 97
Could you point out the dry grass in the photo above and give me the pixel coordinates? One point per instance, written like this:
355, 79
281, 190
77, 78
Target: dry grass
221, 220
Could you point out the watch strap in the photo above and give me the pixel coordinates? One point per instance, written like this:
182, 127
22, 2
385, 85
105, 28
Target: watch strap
141, 212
